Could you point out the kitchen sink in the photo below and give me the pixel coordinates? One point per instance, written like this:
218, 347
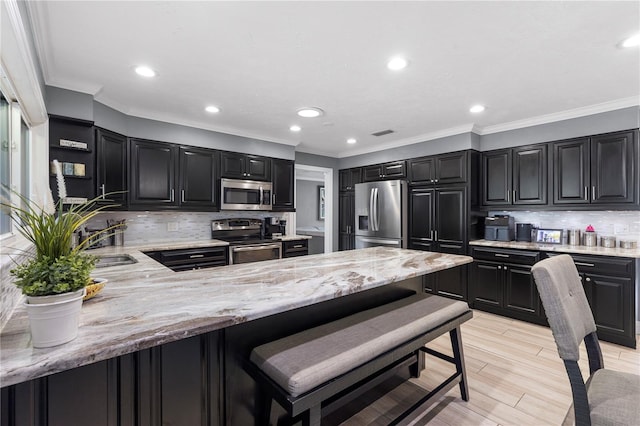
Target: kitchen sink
115, 260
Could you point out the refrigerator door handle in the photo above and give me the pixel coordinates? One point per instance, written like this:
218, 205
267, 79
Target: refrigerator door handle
372, 225
376, 209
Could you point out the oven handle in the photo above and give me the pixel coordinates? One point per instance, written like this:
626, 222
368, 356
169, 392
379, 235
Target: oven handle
254, 248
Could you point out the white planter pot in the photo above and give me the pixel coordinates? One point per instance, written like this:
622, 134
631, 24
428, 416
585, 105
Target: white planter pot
54, 322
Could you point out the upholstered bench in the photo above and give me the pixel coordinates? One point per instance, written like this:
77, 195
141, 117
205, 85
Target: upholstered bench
312, 372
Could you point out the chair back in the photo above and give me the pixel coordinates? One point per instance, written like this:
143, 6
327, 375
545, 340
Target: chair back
565, 303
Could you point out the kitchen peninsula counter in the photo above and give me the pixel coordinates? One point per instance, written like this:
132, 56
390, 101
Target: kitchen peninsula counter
146, 304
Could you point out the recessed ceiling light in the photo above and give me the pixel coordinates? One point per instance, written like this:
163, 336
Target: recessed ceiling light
311, 112
145, 71
351, 140
397, 63
295, 128
632, 41
477, 108
212, 109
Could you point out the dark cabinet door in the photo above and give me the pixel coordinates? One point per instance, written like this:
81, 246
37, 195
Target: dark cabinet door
283, 180
450, 217
346, 220
111, 166
571, 171
153, 173
612, 168
198, 178
486, 285
232, 165
530, 175
421, 221
422, 170
258, 168
452, 283
346, 242
611, 301
348, 178
521, 293
451, 168
394, 170
496, 177
372, 173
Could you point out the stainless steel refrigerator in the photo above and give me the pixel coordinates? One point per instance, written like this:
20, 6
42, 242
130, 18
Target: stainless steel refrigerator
381, 214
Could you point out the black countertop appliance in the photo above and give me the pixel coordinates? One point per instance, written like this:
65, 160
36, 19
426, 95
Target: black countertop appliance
523, 232
499, 228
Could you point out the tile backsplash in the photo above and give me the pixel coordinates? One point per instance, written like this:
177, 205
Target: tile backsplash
147, 227
618, 223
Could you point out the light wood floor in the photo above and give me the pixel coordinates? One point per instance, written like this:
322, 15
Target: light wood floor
515, 378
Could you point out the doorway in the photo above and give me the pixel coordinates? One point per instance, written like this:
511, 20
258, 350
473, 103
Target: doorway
314, 206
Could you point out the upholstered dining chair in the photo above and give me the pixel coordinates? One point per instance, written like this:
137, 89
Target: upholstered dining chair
608, 397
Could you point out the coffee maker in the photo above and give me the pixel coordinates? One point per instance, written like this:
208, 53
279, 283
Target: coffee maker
274, 227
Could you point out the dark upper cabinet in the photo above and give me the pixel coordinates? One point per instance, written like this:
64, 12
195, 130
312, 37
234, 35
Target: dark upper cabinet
111, 166
348, 178
439, 169
496, 177
234, 165
392, 170
530, 175
596, 170
516, 176
612, 168
571, 171
283, 181
72, 143
153, 173
198, 178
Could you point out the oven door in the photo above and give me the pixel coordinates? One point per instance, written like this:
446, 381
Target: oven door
254, 253
245, 195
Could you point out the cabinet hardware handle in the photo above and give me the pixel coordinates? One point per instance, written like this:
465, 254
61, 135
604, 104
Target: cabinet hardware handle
436, 180
172, 194
588, 279
505, 268
584, 264
431, 181
395, 166
501, 255
593, 193
514, 195
298, 246
273, 199
182, 195
499, 267
508, 197
102, 189
195, 256
436, 232
586, 193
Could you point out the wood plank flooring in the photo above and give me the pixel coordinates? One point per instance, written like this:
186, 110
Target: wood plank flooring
515, 378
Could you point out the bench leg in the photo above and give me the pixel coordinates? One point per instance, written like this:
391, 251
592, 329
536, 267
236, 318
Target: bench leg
263, 407
458, 355
418, 366
313, 416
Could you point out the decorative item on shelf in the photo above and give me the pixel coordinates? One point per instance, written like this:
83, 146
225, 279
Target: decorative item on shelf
590, 238
67, 169
54, 280
73, 144
78, 169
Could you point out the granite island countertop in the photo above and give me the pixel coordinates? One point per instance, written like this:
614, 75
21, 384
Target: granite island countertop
560, 248
146, 304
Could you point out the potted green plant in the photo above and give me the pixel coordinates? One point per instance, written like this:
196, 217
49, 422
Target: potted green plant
54, 279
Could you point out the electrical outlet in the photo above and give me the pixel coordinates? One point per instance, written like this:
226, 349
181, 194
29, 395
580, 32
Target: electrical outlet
621, 229
172, 226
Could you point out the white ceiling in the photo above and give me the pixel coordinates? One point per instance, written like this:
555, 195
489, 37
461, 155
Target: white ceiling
261, 61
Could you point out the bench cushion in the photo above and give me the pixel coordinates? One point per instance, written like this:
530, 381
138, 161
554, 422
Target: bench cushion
300, 362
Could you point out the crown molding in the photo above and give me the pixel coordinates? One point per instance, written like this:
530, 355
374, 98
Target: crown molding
39, 22
466, 128
20, 66
562, 115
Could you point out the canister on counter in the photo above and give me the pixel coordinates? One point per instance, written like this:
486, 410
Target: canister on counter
574, 237
608, 241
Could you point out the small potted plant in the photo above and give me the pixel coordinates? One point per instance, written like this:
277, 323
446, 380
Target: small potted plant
54, 279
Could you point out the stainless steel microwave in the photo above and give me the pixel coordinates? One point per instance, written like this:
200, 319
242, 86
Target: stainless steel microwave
238, 194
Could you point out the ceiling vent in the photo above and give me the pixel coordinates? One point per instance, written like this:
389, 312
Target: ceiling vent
382, 132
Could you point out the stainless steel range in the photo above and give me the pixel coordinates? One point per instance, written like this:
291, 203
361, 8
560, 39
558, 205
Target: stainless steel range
246, 240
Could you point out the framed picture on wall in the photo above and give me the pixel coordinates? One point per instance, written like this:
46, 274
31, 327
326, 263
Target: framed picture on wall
321, 202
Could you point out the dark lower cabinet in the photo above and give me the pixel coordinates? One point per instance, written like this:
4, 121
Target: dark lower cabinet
177, 384
450, 283
346, 221
501, 282
295, 248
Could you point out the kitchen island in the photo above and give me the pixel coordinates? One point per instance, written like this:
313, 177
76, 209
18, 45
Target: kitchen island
159, 345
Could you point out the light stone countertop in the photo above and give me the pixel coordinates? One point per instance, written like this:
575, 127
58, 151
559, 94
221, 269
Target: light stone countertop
561, 248
146, 304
